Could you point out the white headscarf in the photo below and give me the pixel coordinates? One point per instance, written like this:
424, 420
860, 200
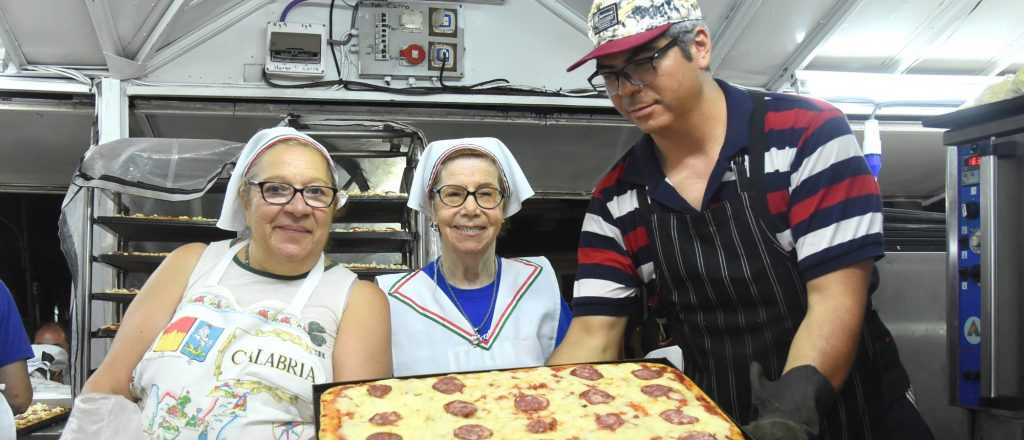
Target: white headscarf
232, 213
438, 151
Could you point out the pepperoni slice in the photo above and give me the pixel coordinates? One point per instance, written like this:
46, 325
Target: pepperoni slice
586, 372
385, 418
378, 390
460, 408
647, 373
698, 436
383, 436
677, 417
656, 390
540, 426
531, 403
610, 421
473, 432
449, 385
596, 396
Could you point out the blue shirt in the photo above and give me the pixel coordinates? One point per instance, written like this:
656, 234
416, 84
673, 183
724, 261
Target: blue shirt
14, 344
476, 303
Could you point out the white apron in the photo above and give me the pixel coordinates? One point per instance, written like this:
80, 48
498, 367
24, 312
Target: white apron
8, 429
222, 372
429, 335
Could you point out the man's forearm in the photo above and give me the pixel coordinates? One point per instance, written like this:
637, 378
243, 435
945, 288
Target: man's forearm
828, 336
590, 339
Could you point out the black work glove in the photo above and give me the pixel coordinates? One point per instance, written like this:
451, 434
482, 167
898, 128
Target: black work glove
788, 408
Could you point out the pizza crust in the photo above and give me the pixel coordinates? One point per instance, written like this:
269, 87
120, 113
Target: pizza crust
542, 403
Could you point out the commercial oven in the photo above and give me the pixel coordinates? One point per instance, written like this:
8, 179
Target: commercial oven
984, 276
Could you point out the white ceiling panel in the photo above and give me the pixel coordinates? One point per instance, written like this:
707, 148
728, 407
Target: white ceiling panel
984, 37
193, 15
135, 20
875, 33
53, 32
770, 39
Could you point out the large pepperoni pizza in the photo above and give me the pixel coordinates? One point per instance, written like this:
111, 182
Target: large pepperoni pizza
599, 401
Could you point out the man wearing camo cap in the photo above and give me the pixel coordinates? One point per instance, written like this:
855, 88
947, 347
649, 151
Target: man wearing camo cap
750, 220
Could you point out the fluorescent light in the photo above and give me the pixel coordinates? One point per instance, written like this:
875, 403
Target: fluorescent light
875, 88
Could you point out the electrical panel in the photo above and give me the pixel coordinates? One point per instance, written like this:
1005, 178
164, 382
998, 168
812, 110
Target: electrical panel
410, 39
968, 258
296, 50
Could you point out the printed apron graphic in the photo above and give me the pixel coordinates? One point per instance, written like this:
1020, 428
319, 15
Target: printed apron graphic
269, 362
202, 339
288, 431
176, 414
174, 334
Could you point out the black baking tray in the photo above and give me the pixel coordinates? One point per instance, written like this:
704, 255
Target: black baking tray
43, 424
166, 230
151, 229
373, 209
125, 298
319, 389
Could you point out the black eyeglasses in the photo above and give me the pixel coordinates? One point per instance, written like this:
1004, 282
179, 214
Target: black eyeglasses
277, 193
638, 72
456, 195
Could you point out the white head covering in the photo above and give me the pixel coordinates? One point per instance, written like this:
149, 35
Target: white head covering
232, 213
438, 151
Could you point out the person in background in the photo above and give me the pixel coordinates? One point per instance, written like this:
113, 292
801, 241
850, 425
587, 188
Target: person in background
469, 309
51, 333
14, 351
756, 219
50, 348
226, 340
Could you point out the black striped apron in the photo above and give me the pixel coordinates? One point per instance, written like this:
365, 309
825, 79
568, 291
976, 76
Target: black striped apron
735, 296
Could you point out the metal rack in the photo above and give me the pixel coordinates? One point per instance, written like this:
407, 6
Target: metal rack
402, 141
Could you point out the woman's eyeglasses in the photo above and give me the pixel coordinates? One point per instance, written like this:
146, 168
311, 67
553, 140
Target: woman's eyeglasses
277, 193
456, 195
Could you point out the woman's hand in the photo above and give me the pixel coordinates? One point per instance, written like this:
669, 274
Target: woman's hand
362, 350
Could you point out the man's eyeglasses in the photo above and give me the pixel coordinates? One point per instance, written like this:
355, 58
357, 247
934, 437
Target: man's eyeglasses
456, 195
638, 72
277, 193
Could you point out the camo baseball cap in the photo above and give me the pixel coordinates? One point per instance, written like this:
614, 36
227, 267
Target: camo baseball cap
620, 25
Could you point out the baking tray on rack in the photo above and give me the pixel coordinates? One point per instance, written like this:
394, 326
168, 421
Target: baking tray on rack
368, 242
42, 424
167, 230
131, 263
124, 298
372, 209
164, 230
319, 389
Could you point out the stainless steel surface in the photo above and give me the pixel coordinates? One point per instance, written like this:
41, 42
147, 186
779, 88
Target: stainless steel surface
909, 302
952, 276
1000, 275
358, 134
999, 425
989, 189
80, 369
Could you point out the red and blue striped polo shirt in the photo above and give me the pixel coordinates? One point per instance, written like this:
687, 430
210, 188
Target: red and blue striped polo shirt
818, 187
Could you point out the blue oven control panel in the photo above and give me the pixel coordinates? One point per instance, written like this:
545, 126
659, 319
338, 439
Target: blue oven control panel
968, 377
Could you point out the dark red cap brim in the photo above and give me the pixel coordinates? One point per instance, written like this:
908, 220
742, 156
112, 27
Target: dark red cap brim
621, 45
